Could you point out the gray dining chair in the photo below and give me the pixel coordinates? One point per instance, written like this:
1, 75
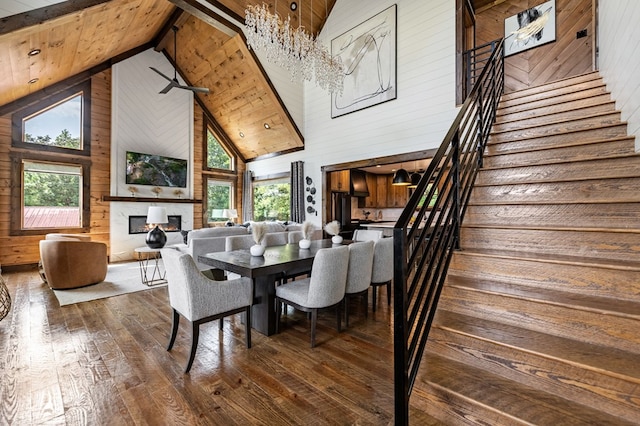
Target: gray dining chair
358, 275
238, 242
200, 299
366, 235
324, 289
275, 239
294, 237
382, 272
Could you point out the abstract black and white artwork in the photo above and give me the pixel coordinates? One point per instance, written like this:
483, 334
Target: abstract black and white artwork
368, 54
530, 28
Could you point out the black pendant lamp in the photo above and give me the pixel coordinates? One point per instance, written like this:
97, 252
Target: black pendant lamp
401, 177
415, 179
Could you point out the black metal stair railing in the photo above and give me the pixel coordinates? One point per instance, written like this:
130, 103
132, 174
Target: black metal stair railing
428, 231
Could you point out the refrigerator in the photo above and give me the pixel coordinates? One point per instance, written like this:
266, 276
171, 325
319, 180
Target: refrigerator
341, 211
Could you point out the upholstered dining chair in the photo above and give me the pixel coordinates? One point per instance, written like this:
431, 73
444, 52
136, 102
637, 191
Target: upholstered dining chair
324, 289
200, 299
358, 275
382, 272
294, 237
366, 235
238, 242
275, 239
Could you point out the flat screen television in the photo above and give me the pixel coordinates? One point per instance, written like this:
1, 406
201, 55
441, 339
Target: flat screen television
155, 170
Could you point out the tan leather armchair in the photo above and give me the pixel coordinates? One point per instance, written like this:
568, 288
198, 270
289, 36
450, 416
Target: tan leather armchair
72, 261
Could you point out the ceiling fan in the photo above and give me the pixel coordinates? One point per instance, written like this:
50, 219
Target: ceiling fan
173, 82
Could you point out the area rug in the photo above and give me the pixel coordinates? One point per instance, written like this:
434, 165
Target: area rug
121, 278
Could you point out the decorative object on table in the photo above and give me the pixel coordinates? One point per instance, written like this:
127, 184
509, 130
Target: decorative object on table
178, 193
133, 190
156, 190
295, 50
5, 298
530, 28
333, 229
156, 238
307, 230
258, 231
230, 214
368, 52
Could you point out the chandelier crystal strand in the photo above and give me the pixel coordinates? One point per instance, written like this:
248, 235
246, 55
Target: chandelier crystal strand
295, 50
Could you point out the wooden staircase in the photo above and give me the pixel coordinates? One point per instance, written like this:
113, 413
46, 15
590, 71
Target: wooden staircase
539, 319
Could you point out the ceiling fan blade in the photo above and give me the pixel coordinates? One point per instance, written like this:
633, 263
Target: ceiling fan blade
161, 74
197, 89
168, 87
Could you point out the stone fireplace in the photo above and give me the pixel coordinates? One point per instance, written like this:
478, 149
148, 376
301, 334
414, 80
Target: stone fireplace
139, 225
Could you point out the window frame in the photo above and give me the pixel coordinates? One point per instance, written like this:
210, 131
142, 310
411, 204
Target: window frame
271, 179
221, 180
17, 193
47, 103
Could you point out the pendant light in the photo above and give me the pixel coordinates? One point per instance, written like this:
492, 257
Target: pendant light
415, 177
401, 177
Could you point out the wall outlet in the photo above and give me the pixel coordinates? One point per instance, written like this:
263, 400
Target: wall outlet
581, 33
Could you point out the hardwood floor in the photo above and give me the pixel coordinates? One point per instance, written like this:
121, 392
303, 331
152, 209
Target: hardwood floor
105, 362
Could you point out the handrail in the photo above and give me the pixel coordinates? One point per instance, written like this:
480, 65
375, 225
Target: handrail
422, 253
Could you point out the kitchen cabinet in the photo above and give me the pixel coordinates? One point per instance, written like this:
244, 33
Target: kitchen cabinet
397, 195
381, 191
372, 200
340, 181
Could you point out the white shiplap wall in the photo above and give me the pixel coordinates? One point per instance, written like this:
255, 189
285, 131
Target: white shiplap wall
145, 121
416, 120
619, 57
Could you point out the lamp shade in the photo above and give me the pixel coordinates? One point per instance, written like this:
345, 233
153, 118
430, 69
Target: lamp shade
415, 179
157, 215
230, 213
401, 178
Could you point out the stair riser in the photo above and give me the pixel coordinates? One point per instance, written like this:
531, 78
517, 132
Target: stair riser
591, 80
577, 138
542, 155
557, 128
605, 216
610, 394
590, 191
548, 102
542, 93
578, 170
598, 245
596, 328
505, 116
541, 119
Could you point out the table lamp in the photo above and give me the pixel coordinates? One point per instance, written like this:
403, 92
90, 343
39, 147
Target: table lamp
156, 238
230, 214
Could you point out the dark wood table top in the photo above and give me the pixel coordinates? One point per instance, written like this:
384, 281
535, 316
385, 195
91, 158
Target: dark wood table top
276, 259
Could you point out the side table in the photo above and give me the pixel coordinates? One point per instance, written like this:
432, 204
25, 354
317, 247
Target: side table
155, 276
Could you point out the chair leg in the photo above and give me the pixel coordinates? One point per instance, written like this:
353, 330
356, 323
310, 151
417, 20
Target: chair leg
365, 303
174, 329
339, 315
388, 293
314, 319
220, 324
247, 326
195, 335
375, 297
278, 315
346, 311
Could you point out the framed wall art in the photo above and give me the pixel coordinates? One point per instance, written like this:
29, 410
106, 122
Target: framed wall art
530, 28
368, 53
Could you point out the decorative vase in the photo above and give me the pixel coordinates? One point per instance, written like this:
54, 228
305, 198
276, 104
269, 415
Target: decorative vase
156, 238
257, 250
304, 244
336, 239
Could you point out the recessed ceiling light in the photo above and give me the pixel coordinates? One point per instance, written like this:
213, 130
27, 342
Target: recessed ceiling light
33, 80
241, 134
34, 52
266, 126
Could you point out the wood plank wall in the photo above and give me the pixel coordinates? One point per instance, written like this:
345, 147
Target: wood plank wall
23, 250
566, 57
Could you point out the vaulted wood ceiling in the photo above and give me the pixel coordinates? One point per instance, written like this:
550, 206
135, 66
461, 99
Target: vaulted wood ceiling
85, 36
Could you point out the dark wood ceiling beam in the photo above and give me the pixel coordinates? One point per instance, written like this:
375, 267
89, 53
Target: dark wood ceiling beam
38, 16
209, 16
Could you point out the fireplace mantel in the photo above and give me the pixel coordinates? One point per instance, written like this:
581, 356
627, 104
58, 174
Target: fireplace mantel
151, 199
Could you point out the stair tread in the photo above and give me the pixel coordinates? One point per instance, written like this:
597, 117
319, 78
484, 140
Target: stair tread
567, 227
607, 306
514, 399
556, 258
537, 114
606, 360
565, 83
555, 122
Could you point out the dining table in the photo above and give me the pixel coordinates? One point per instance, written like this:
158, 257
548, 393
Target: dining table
266, 271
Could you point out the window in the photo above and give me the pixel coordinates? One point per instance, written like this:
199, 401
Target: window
219, 197
272, 199
50, 164
217, 155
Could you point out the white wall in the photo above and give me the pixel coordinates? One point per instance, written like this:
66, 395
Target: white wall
619, 57
147, 122
416, 120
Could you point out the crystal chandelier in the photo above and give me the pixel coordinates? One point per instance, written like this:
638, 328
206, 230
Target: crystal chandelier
293, 49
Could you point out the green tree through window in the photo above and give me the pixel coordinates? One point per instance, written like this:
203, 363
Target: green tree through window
271, 200
217, 156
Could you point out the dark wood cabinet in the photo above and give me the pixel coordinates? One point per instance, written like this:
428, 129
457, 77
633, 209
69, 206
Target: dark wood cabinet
340, 181
372, 184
